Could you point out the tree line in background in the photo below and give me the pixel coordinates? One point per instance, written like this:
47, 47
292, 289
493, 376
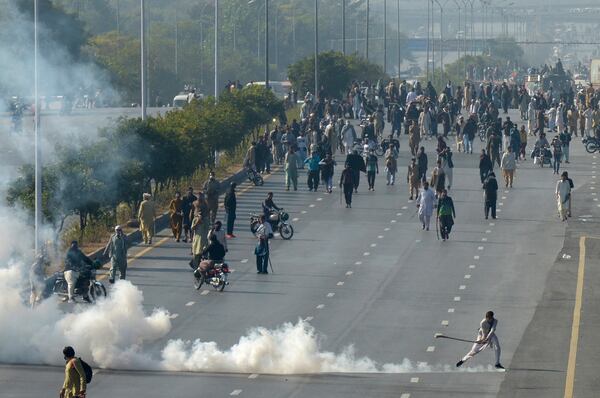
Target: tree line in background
136, 156
180, 37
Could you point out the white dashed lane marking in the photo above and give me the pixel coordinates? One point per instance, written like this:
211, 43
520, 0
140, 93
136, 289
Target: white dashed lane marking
392, 221
205, 292
431, 348
173, 316
475, 257
349, 273
414, 379
445, 323
330, 294
451, 310
320, 306
380, 237
492, 224
245, 260
295, 219
488, 231
462, 287
319, 199
236, 392
189, 303
404, 207
311, 205
358, 263
309, 318
366, 254
373, 244
480, 248
484, 239
467, 276
386, 229
253, 376
303, 212
340, 283
457, 298
472, 266
405, 395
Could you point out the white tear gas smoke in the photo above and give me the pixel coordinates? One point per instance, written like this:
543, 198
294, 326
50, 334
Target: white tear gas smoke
115, 334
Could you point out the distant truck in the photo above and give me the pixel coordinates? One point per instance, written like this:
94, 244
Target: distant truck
595, 73
281, 89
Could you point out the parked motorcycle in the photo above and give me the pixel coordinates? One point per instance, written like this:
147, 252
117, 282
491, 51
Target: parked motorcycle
279, 222
254, 177
86, 283
217, 277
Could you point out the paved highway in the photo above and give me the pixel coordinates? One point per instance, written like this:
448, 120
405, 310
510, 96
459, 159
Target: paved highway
370, 278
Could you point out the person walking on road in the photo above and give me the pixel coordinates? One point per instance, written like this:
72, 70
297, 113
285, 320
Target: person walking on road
146, 214
116, 250
313, 171
523, 144
572, 185
556, 154
357, 165
291, 169
176, 216
263, 234
445, 214
490, 190
486, 338
347, 183
211, 191
327, 168
508, 166
563, 195
438, 178
485, 166
493, 148
201, 209
348, 135
469, 132
187, 204
422, 164
425, 202
565, 140
230, 205
391, 166
414, 138
372, 169
75, 383
412, 178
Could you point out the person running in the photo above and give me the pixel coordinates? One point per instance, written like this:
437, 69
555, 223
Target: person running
347, 183
372, 169
412, 178
563, 195
508, 166
446, 214
486, 337
425, 202
490, 189
438, 178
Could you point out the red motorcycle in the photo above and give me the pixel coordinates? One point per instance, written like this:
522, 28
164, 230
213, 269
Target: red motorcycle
217, 277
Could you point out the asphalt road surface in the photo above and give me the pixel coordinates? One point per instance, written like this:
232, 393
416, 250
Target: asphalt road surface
371, 278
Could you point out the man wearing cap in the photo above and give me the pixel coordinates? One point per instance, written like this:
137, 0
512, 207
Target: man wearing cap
116, 249
146, 215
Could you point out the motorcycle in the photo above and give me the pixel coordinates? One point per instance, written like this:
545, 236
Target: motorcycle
541, 156
86, 282
591, 144
254, 177
278, 221
217, 277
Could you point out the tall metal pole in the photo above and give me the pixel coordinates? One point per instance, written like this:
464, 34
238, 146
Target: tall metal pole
432, 40
143, 51
441, 39
384, 35
38, 146
176, 40
367, 31
267, 43
398, 36
344, 27
316, 48
216, 49
293, 31
428, 37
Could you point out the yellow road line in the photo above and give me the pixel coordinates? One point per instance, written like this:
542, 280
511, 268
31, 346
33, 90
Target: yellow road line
570, 382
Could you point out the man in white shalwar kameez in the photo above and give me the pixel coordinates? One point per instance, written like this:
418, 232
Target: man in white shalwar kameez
486, 337
563, 195
425, 203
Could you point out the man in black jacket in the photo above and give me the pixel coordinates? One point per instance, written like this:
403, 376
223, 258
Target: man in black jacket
357, 164
490, 187
230, 204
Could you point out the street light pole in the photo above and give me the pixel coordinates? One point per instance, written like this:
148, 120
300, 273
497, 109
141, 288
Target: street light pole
267, 44
384, 35
428, 37
398, 36
216, 49
176, 40
441, 39
143, 60
38, 146
316, 48
367, 31
344, 27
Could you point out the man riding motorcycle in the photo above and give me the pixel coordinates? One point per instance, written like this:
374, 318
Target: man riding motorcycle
269, 207
212, 254
75, 263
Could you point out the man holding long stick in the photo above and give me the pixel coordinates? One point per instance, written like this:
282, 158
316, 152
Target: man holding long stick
486, 337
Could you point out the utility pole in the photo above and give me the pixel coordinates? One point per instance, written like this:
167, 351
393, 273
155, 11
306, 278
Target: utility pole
398, 37
384, 35
367, 31
344, 27
428, 37
316, 48
37, 132
143, 60
216, 50
176, 40
267, 44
